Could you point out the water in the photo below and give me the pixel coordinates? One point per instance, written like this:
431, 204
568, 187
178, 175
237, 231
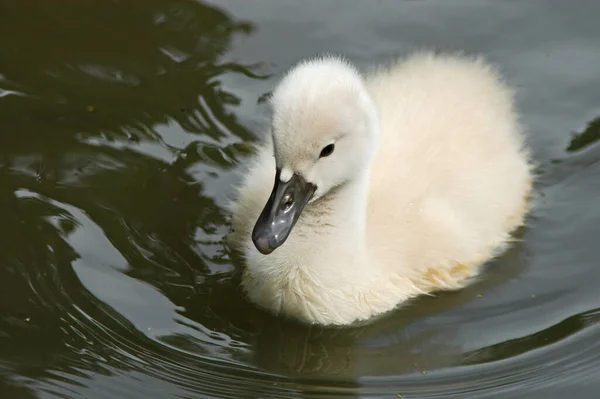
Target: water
121, 125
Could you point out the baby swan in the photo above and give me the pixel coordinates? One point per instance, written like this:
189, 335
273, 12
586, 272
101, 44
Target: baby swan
371, 190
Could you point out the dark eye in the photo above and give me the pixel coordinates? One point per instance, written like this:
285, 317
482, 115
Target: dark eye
327, 151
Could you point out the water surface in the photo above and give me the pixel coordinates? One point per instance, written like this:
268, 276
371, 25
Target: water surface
121, 124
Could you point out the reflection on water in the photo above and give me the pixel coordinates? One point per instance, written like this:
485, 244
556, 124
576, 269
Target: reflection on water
587, 137
120, 134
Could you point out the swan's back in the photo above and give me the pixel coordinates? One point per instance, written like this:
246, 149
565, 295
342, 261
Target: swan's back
451, 169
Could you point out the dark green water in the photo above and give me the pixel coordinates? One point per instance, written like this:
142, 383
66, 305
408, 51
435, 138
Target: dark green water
121, 123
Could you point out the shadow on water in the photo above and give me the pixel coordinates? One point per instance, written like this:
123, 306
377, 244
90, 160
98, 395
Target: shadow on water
83, 86
97, 203
115, 69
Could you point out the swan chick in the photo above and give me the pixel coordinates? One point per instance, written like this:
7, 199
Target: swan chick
371, 190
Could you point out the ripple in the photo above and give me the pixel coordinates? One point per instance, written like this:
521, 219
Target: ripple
115, 168
115, 315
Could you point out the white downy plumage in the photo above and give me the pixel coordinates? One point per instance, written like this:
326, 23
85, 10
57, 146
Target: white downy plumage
428, 177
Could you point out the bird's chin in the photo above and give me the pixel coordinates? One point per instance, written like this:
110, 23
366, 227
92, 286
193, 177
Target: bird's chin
314, 198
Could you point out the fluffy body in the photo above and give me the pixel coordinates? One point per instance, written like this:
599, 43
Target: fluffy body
429, 177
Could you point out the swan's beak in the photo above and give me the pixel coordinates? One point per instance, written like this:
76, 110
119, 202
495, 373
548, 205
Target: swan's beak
285, 204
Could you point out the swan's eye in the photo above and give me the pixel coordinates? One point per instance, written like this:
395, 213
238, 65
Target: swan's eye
327, 151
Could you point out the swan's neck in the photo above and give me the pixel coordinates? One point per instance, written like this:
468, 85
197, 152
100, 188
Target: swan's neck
336, 223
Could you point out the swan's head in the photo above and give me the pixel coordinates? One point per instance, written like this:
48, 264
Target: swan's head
325, 132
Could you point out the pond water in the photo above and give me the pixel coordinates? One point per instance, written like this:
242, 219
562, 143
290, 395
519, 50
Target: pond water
121, 124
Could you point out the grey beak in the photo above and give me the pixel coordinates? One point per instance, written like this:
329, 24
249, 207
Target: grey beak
281, 212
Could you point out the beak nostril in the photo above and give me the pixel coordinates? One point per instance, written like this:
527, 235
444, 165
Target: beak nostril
287, 202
